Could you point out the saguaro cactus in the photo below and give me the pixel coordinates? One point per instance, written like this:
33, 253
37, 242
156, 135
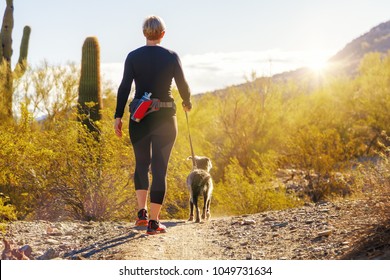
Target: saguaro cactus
7, 76
90, 99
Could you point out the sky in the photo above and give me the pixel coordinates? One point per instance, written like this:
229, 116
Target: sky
220, 42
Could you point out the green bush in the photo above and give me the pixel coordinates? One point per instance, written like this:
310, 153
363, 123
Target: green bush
241, 193
7, 213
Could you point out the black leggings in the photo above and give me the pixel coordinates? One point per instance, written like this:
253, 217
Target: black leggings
153, 139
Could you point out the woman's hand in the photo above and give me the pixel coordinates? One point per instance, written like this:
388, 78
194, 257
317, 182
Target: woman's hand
187, 106
118, 127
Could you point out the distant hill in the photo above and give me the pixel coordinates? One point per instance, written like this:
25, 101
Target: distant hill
376, 40
345, 62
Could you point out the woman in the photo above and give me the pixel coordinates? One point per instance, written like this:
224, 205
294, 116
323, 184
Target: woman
152, 68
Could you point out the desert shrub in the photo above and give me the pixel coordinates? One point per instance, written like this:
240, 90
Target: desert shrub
7, 213
373, 174
48, 91
177, 196
240, 193
63, 172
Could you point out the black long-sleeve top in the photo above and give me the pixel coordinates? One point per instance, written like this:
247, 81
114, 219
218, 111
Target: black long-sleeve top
152, 68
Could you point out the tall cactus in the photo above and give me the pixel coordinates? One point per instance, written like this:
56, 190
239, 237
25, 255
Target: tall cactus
90, 99
7, 76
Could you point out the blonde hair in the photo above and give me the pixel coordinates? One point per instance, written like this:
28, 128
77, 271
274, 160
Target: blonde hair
153, 27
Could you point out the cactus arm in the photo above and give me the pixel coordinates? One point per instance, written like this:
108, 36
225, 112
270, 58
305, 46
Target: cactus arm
6, 30
21, 66
1, 48
7, 76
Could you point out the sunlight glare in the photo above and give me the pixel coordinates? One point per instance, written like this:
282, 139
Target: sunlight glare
317, 64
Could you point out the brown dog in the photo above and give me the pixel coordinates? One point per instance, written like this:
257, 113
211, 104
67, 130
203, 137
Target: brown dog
199, 182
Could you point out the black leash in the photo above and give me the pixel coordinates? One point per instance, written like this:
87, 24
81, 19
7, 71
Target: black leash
192, 148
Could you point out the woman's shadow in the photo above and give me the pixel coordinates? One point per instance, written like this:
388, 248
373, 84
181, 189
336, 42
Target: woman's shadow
105, 244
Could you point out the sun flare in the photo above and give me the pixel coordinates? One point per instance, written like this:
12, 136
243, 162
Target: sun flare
317, 64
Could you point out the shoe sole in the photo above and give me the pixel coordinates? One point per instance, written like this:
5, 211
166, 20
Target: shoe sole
141, 223
156, 232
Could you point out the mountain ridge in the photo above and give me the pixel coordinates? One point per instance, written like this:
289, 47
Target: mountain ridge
345, 62
375, 40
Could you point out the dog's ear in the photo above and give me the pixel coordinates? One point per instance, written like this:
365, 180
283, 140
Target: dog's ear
209, 164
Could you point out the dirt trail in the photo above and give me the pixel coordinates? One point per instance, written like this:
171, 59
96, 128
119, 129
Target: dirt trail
183, 241
347, 229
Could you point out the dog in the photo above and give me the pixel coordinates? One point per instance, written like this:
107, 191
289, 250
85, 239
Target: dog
199, 182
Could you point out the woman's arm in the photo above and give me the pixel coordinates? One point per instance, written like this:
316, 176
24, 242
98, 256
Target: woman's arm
124, 88
182, 84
